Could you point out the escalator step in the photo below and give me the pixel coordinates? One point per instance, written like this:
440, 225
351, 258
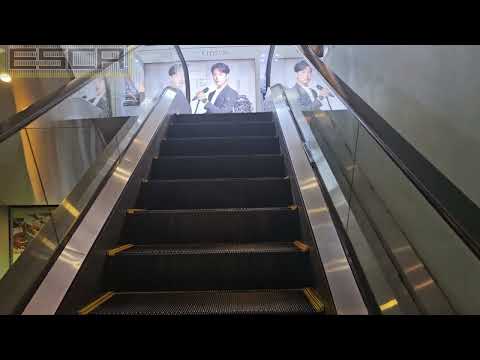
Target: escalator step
208, 266
276, 301
240, 117
223, 166
213, 225
220, 146
221, 129
215, 193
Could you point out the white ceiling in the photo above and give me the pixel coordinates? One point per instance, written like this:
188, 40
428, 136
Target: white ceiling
167, 53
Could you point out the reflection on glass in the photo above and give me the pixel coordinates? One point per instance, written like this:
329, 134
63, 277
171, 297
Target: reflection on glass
377, 202
25, 223
292, 71
177, 81
59, 159
96, 94
308, 98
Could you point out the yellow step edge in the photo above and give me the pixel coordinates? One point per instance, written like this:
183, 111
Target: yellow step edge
293, 207
314, 299
96, 303
113, 252
301, 246
133, 211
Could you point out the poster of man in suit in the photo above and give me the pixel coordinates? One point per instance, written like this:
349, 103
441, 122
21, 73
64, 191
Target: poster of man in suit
222, 99
309, 98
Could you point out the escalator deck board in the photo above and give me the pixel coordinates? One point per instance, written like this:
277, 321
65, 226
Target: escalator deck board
289, 301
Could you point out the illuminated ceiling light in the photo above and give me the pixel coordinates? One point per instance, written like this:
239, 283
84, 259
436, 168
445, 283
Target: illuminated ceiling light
5, 77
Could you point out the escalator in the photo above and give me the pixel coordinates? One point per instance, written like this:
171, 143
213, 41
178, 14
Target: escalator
289, 211
214, 230
175, 214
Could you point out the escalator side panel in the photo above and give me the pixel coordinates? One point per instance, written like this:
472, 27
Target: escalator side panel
89, 280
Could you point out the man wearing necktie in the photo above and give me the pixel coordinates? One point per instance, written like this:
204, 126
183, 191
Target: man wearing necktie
224, 97
308, 98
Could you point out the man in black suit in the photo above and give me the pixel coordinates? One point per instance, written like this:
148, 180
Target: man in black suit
308, 98
177, 80
224, 97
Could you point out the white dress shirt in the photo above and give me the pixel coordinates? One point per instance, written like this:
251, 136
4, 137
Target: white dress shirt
217, 92
308, 91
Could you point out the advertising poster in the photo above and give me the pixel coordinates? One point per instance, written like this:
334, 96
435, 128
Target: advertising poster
240, 79
290, 73
25, 223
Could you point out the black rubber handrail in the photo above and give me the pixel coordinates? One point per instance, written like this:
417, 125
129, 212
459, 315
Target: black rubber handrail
185, 71
461, 213
21, 119
268, 72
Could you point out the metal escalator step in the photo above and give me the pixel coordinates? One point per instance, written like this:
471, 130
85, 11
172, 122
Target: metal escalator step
215, 193
212, 225
220, 145
219, 166
240, 117
221, 129
208, 266
268, 301
203, 249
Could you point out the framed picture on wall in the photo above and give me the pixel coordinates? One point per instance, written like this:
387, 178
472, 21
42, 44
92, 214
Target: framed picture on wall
24, 224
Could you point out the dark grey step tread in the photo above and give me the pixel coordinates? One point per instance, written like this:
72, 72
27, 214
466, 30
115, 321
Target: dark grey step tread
170, 249
228, 157
139, 212
214, 193
253, 179
220, 129
220, 122
173, 267
220, 145
218, 138
261, 116
270, 301
194, 225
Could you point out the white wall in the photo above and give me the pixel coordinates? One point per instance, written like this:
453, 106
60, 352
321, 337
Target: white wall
429, 94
